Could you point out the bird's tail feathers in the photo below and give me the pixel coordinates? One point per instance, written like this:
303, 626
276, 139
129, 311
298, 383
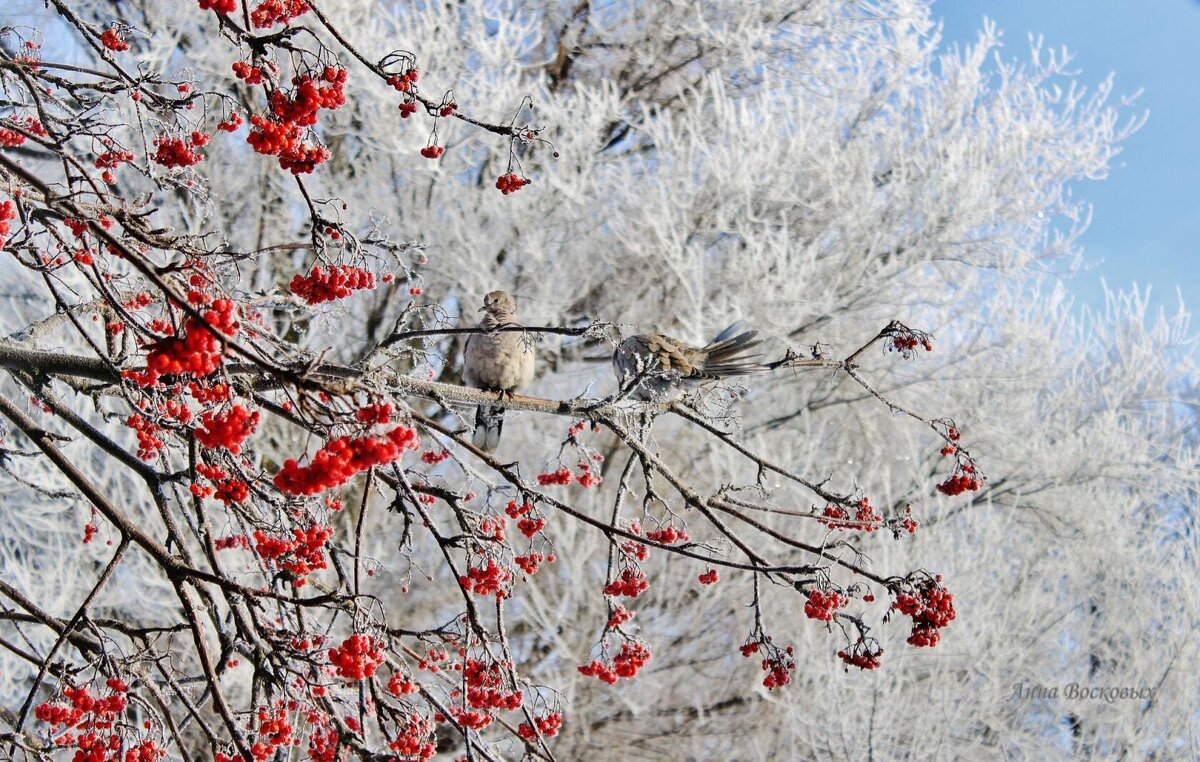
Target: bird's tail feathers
728, 354
489, 422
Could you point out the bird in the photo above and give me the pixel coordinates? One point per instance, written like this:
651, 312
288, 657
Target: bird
496, 361
656, 368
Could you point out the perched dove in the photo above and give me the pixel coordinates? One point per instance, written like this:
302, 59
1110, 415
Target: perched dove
501, 361
663, 368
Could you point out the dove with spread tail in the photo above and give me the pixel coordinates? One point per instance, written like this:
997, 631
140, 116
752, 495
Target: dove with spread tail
661, 369
497, 361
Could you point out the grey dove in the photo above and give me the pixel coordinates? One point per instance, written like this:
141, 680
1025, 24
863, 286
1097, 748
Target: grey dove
661, 368
500, 361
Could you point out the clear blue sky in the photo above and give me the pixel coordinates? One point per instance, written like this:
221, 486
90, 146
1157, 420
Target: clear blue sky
1146, 223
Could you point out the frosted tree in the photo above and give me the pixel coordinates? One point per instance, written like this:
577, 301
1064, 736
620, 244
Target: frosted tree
244, 242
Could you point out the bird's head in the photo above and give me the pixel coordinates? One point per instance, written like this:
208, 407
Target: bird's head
499, 303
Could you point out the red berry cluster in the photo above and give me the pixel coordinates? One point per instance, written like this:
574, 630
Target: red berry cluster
325, 284
271, 12
302, 553
149, 442
273, 732
280, 133
110, 160
821, 604
227, 429
516, 511
619, 616
357, 657
414, 741
864, 655
546, 726
963, 480
530, 563
530, 526
96, 726
308, 96
776, 662
342, 458
232, 491
466, 718
283, 140
10, 138
931, 609
905, 340
510, 183
489, 579
433, 457
561, 476
709, 577
172, 151
404, 82
252, 75
432, 151
630, 584
485, 686
8, 211
400, 684
626, 664
375, 414
197, 352
113, 40
865, 517
232, 542
231, 122
219, 6
667, 535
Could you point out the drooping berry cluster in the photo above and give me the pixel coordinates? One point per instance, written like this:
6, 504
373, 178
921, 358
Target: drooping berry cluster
865, 518
931, 609
667, 535
10, 137
561, 476
172, 151
95, 725
864, 654
963, 480
271, 12
298, 555
547, 725
630, 584
325, 284
8, 211
510, 183
342, 458
489, 579
485, 683
822, 603
633, 656
227, 429
197, 352
112, 39
272, 731
414, 740
219, 6
905, 340
280, 133
777, 662
357, 657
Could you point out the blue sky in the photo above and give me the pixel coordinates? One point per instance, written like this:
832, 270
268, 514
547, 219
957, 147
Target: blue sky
1146, 223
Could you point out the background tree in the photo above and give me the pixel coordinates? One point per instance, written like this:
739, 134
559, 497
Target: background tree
819, 171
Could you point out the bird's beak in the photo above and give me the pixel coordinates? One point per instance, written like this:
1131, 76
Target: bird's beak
483, 309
